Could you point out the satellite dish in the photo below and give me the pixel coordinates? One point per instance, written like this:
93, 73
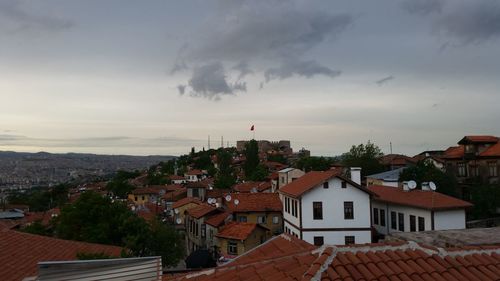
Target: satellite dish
432, 185
178, 221
210, 200
176, 211
228, 198
236, 201
412, 184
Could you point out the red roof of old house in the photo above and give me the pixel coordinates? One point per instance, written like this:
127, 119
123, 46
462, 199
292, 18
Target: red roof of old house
175, 195
255, 202
313, 179
396, 159
145, 190
176, 177
238, 230
417, 198
385, 262
201, 210
250, 185
216, 193
150, 211
454, 152
20, 252
217, 219
206, 183
273, 176
478, 139
195, 172
493, 150
43, 217
185, 201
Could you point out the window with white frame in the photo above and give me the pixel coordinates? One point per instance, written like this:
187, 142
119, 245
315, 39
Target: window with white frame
232, 248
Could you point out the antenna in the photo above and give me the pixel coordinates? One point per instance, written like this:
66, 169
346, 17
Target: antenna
236, 201
228, 198
412, 184
208, 142
222, 141
433, 186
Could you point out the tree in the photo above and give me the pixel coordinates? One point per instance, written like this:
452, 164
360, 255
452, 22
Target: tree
252, 158
119, 185
40, 199
96, 219
313, 163
486, 200
425, 171
364, 156
225, 176
277, 158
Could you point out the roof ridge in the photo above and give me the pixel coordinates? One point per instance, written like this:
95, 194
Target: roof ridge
325, 258
442, 252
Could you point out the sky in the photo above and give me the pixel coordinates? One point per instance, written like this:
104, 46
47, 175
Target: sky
159, 77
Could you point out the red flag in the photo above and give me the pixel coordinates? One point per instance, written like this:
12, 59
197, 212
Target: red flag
252, 128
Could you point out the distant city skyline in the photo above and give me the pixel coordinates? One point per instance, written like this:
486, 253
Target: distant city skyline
158, 77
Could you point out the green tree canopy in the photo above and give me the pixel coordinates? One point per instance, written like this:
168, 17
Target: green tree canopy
364, 156
313, 163
225, 176
96, 219
119, 185
425, 171
42, 199
252, 159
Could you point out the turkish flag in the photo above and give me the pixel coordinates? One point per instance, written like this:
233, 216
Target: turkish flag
252, 128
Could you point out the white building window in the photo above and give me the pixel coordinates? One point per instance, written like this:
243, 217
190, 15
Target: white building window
492, 169
276, 219
261, 219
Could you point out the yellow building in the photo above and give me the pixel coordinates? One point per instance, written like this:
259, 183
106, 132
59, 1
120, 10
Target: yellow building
143, 195
260, 208
181, 206
236, 238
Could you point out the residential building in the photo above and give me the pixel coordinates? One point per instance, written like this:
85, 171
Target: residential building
288, 175
432, 156
388, 178
199, 189
282, 258
261, 208
180, 208
405, 210
395, 161
236, 238
252, 187
195, 175
213, 224
476, 159
327, 208
196, 234
175, 179
142, 195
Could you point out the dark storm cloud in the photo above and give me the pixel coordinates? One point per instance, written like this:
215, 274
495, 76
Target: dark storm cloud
18, 18
209, 81
423, 7
384, 80
273, 35
305, 69
471, 22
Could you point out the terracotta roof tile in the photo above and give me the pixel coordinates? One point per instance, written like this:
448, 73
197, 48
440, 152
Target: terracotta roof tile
454, 152
478, 139
250, 185
20, 252
145, 190
237, 230
217, 219
185, 201
417, 198
201, 210
493, 150
255, 202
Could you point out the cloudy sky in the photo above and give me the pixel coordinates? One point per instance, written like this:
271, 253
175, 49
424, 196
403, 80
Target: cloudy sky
158, 77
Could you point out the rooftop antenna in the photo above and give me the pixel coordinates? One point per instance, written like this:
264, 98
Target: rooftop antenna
390, 145
208, 142
222, 141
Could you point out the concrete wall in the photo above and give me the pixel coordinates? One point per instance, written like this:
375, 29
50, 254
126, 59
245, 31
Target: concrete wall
252, 217
406, 211
450, 219
337, 237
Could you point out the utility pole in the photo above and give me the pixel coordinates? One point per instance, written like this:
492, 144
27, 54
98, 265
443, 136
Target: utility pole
208, 142
222, 141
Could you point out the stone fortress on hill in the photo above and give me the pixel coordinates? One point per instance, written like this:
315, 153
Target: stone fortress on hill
274, 147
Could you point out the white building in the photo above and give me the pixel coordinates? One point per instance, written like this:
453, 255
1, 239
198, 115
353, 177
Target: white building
327, 208
403, 209
286, 176
388, 178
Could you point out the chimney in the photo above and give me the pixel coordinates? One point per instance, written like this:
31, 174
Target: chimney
426, 186
356, 175
405, 186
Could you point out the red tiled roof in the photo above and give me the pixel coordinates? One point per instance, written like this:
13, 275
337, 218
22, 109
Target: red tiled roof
255, 202
217, 219
20, 252
195, 172
176, 177
313, 179
145, 190
454, 152
396, 159
185, 201
384, 262
238, 230
417, 198
201, 210
249, 185
478, 139
43, 217
201, 184
493, 150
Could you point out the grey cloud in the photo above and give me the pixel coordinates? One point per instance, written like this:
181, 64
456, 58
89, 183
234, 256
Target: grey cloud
243, 68
423, 7
306, 69
209, 81
384, 80
21, 19
471, 22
